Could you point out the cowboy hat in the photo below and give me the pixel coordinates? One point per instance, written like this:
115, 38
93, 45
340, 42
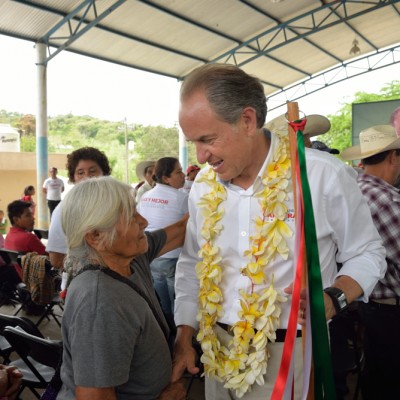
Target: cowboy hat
373, 140
141, 167
316, 124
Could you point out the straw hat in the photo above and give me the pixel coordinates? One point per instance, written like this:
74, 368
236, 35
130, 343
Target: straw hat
141, 167
373, 140
316, 124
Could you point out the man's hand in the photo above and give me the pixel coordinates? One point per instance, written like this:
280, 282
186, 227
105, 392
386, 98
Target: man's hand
184, 354
10, 381
174, 391
301, 320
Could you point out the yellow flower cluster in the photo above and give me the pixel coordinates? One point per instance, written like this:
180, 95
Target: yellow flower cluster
244, 361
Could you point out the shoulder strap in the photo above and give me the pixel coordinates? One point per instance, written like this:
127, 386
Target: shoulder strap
133, 285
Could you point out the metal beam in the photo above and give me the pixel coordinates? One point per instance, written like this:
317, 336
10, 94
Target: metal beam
280, 38
109, 30
339, 73
81, 28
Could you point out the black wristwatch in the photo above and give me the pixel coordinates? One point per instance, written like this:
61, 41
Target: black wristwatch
338, 298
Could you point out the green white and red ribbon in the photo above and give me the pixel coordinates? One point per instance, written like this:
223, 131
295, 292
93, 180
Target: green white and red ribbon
316, 349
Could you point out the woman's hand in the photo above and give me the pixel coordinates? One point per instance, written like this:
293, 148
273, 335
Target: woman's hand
174, 391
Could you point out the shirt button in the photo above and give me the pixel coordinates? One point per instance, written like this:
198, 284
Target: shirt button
243, 233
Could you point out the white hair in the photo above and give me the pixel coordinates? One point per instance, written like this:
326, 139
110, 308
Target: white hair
95, 204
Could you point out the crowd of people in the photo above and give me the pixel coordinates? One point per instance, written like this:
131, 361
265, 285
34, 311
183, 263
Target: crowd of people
207, 254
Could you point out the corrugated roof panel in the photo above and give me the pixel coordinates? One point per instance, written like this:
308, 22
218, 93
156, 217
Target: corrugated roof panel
172, 37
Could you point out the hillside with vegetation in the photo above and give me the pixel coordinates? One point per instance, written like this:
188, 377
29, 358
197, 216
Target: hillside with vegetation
69, 132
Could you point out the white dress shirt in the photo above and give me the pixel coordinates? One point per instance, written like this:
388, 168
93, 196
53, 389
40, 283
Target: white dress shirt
162, 206
345, 232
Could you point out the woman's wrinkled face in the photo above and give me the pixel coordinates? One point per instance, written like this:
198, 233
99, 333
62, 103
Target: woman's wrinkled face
87, 169
133, 241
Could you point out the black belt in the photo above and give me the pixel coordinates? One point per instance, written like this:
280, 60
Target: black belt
393, 301
280, 333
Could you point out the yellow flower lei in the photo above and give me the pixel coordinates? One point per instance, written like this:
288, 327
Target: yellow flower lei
244, 360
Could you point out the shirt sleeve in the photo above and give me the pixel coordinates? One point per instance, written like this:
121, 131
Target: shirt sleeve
186, 282
57, 241
156, 240
360, 248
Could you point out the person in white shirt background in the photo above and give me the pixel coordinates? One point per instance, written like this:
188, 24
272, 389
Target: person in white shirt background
162, 206
144, 171
53, 187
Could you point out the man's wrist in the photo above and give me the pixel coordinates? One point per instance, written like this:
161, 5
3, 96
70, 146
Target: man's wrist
338, 298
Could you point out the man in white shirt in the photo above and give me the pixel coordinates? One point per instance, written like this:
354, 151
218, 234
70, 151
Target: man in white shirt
53, 187
235, 246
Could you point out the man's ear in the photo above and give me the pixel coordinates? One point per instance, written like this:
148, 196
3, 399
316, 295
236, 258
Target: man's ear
249, 119
93, 239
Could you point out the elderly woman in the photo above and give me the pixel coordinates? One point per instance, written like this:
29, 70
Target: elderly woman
114, 332
83, 163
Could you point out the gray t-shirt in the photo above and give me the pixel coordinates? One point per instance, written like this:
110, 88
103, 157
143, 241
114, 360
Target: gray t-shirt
111, 337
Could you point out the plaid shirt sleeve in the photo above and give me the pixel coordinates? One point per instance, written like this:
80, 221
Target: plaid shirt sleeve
384, 202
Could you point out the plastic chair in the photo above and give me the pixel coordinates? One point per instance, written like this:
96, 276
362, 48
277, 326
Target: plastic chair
9, 320
38, 361
9, 276
41, 233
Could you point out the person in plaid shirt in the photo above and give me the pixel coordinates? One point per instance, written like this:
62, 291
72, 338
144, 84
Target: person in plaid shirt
379, 152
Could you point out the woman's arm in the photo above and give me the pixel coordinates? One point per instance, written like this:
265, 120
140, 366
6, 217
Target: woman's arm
87, 393
56, 260
175, 235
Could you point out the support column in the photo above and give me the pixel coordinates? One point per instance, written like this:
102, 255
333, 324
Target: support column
42, 220
183, 149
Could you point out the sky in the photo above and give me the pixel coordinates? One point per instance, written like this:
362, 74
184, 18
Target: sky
85, 86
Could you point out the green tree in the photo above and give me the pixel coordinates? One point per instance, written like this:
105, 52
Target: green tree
339, 136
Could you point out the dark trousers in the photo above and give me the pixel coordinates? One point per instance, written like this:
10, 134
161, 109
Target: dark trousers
380, 379
52, 204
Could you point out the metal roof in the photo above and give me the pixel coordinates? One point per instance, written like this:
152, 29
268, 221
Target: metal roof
294, 46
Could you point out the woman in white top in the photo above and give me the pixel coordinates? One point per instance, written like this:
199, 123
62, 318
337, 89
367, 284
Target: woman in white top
162, 206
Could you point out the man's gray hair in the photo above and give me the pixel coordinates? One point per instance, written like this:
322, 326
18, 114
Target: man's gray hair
94, 204
229, 90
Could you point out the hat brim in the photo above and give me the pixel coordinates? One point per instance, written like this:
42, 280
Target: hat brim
316, 125
355, 153
141, 167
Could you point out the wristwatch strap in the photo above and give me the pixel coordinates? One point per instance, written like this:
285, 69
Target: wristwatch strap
338, 298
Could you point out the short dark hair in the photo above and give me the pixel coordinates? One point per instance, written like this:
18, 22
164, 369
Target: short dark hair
16, 209
164, 167
87, 153
378, 158
229, 90
28, 189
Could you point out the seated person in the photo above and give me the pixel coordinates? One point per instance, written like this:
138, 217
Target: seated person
20, 237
